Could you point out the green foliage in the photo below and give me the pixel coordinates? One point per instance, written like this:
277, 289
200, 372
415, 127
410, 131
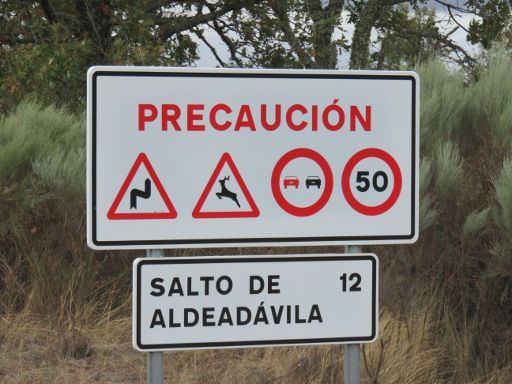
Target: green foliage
35, 139
285, 34
502, 251
503, 186
489, 106
45, 265
61, 173
465, 244
442, 102
52, 70
449, 170
493, 22
476, 223
407, 38
46, 48
428, 214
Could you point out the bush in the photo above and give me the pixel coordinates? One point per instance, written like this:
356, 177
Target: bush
46, 266
463, 257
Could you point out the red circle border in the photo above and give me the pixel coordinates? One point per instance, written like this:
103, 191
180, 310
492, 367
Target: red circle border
397, 187
276, 176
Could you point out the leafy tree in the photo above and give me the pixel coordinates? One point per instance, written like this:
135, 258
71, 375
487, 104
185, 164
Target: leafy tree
406, 29
494, 23
308, 34
283, 34
47, 45
406, 38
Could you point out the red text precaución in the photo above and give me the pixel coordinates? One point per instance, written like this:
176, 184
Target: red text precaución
223, 117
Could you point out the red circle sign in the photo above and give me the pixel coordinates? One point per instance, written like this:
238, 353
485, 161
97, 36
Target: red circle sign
397, 183
276, 176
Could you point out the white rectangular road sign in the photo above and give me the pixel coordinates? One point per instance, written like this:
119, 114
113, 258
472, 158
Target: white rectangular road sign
216, 302
204, 157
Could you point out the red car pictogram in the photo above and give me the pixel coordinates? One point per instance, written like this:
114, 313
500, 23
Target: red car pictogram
291, 181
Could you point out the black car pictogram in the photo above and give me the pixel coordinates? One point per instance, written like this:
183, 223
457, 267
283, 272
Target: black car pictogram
313, 180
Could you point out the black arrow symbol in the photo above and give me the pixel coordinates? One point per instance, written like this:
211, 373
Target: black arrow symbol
145, 194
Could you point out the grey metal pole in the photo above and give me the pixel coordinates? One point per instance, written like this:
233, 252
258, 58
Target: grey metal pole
352, 355
155, 359
352, 364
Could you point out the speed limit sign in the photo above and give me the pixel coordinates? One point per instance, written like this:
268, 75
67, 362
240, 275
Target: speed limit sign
377, 180
182, 157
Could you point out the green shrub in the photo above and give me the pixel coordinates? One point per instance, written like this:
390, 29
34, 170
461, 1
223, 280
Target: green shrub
44, 260
463, 255
42, 156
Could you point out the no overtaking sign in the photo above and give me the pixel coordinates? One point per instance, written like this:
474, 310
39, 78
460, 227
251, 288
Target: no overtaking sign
194, 158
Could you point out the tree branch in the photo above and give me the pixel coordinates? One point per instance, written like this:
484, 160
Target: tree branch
200, 35
181, 24
229, 43
455, 21
370, 13
456, 48
455, 29
324, 21
456, 7
284, 24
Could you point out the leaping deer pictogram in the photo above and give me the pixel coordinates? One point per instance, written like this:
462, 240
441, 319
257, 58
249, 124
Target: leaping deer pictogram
226, 192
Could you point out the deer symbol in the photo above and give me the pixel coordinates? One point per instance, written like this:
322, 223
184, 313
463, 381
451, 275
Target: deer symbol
226, 192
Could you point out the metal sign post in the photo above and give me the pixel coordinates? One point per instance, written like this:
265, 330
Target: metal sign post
155, 359
352, 358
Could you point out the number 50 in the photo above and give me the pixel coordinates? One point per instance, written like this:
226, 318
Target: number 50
379, 181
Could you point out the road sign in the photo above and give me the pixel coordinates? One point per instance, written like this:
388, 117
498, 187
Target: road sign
242, 193
181, 157
216, 302
134, 212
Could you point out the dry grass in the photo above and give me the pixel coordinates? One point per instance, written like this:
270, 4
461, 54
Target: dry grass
36, 350
409, 350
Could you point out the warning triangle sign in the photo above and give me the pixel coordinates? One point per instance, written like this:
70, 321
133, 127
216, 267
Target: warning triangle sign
142, 196
225, 194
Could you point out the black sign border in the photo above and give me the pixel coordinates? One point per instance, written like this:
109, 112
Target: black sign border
284, 241
251, 343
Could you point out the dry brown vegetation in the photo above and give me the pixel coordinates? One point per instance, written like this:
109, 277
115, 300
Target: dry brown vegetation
410, 350
446, 302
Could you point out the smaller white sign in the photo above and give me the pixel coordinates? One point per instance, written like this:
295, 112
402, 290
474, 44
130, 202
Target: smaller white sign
250, 301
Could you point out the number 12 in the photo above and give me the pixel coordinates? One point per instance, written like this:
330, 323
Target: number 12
355, 285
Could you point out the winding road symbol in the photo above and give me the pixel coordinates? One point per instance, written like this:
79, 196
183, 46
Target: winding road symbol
143, 194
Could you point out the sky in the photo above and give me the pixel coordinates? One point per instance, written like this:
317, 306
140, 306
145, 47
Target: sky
206, 58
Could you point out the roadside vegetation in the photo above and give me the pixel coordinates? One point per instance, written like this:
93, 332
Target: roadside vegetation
446, 301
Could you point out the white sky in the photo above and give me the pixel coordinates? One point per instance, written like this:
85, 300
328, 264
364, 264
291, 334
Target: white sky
206, 58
